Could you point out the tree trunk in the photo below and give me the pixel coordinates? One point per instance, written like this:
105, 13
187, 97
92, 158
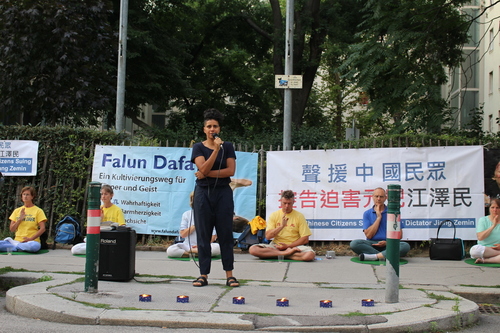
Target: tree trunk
311, 36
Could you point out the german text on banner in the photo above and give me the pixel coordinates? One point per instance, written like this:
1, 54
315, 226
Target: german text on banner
152, 184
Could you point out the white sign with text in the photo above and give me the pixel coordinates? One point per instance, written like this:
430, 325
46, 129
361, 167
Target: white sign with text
152, 184
18, 157
333, 188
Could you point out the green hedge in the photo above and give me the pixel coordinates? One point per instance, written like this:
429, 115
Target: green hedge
66, 154
65, 159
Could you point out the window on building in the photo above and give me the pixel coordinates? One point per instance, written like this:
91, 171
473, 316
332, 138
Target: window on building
469, 70
469, 101
474, 29
492, 39
158, 120
490, 83
490, 123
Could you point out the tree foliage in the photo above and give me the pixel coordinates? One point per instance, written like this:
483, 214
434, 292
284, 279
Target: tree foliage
55, 59
58, 59
223, 63
230, 67
319, 26
158, 40
401, 58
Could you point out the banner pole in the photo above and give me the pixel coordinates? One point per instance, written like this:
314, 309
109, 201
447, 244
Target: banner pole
93, 237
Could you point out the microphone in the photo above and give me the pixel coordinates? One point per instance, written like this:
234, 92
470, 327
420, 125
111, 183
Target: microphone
215, 136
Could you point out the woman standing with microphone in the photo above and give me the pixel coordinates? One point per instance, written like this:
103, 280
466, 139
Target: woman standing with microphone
213, 198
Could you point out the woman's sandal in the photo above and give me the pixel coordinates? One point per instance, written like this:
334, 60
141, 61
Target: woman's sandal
201, 280
232, 282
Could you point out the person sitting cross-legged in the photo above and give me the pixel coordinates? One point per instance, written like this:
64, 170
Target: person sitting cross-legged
28, 223
110, 214
487, 249
289, 232
188, 232
375, 229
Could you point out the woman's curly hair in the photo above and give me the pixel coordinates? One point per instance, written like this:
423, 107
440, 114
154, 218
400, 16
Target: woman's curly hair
213, 114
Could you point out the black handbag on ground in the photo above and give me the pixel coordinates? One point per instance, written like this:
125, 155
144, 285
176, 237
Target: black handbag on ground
446, 248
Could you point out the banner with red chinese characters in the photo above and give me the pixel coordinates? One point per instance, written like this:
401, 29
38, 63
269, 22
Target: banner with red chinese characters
333, 188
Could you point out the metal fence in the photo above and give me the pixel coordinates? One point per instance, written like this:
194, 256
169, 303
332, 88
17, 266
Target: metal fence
63, 192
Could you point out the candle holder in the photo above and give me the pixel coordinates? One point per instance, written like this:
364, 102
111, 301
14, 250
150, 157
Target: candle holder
282, 302
145, 298
182, 299
239, 300
326, 303
367, 302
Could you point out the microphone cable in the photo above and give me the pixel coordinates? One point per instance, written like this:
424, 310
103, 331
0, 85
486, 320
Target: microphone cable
191, 254
190, 223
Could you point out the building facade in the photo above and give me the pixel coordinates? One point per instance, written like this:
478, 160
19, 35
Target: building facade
489, 95
475, 85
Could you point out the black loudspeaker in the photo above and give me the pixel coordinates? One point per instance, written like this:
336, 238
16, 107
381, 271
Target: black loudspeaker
117, 254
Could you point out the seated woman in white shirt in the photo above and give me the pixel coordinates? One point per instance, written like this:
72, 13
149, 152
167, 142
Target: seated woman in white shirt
188, 232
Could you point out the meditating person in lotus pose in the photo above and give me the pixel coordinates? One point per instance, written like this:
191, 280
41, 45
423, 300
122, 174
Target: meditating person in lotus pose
289, 231
110, 213
375, 230
188, 232
28, 222
487, 250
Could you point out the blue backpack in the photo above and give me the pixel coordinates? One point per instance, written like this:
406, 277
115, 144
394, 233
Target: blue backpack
68, 231
247, 239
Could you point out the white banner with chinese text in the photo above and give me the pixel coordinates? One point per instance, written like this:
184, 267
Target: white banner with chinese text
333, 188
18, 157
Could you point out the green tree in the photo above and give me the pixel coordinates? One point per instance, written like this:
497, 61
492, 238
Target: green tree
401, 58
339, 95
55, 60
225, 64
312, 18
241, 47
58, 60
158, 43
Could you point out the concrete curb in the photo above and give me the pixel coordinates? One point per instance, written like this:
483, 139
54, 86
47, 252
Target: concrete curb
37, 301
